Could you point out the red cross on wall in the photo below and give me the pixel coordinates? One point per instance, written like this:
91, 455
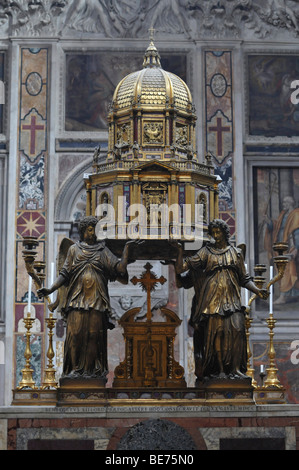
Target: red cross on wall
219, 129
33, 128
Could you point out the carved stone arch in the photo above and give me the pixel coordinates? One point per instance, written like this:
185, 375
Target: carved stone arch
70, 190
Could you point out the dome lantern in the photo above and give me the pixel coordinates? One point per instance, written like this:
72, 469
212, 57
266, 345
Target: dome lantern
151, 56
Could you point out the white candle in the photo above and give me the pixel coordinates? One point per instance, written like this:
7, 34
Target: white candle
271, 292
52, 278
262, 369
29, 295
246, 292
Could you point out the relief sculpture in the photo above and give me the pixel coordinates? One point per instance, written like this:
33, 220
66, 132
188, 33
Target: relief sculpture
119, 18
153, 133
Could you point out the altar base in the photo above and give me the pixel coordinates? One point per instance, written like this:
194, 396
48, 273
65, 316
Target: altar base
216, 392
75, 391
223, 391
269, 395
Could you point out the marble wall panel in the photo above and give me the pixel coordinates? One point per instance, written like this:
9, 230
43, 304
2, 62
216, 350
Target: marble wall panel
100, 435
213, 436
219, 127
31, 214
36, 346
3, 434
31, 184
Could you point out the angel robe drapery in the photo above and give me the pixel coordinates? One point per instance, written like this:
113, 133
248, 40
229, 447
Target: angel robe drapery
217, 311
87, 270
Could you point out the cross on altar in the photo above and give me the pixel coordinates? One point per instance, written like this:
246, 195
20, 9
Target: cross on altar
33, 128
148, 281
219, 129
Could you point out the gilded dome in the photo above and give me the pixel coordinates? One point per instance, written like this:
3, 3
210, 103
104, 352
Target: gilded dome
152, 87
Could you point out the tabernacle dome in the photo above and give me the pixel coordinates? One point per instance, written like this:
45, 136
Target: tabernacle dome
152, 108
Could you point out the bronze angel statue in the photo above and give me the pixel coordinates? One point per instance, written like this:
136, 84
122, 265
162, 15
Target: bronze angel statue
217, 273
85, 268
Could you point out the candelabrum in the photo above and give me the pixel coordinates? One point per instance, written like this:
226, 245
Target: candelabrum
36, 269
281, 262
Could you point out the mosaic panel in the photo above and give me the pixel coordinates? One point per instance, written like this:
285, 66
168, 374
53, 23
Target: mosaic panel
219, 127
31, 195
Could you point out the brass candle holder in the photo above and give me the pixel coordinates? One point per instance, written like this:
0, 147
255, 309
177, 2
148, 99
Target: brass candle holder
281, 262
50, 372
27, 381
27, 372
259, 280
36, 269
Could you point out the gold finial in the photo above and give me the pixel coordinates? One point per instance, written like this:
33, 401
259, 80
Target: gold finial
152, 57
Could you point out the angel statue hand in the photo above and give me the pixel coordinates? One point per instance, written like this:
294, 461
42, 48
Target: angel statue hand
43, 292
263, 294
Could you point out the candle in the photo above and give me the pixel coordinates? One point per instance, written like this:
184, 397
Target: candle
52, 278
246, 292
271, 292
262, 369
29, 296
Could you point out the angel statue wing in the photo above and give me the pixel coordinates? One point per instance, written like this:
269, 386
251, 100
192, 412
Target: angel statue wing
242, 247
65, 244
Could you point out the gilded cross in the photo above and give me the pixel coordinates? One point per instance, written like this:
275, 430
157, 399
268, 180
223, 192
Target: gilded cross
152, 33
148, 281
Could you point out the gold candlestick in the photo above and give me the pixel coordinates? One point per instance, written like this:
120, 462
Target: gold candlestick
280, 262
27, 371
49, 377
50, 380
36, 269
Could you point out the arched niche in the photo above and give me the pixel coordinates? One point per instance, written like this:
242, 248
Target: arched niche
70, 192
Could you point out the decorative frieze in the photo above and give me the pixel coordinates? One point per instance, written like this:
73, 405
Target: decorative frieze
194, 19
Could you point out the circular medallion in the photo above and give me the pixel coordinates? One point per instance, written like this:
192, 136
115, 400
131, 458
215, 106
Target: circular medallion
218, 85
34, 84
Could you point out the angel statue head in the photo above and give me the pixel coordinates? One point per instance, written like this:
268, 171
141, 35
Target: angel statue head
89, 221
222, 225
